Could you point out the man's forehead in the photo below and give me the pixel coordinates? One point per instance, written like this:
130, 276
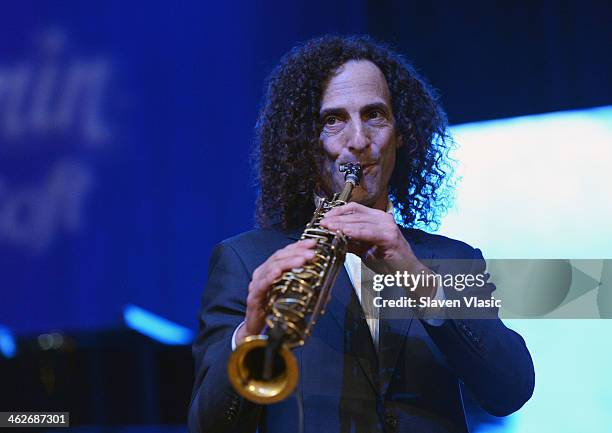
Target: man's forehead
356, 81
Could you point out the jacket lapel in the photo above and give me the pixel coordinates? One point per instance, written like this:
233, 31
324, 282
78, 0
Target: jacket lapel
345, 308
395, 323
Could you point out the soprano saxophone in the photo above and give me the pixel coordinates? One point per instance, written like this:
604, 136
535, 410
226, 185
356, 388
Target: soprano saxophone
262, 368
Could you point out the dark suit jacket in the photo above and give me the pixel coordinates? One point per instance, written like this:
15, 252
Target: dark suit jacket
413, 383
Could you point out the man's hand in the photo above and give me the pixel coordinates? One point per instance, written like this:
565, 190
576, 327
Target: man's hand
375, 237
292, 256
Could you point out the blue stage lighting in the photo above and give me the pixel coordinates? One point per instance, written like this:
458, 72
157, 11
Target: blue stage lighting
8, 347
156, 327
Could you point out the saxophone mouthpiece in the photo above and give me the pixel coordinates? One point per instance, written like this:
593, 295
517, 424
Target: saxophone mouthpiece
352, 172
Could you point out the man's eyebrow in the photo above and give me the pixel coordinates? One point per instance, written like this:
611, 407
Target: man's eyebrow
376, 106
331, 111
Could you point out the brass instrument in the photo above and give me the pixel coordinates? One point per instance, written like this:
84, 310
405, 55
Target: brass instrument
262, 368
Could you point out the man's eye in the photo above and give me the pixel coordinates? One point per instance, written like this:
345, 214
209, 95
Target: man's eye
374, 114
331, 120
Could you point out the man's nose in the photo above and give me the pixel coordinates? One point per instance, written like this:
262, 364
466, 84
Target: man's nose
359, 138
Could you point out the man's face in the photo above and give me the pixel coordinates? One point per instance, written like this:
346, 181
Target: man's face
358, 126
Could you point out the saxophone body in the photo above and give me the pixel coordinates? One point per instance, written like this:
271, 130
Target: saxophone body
262, 368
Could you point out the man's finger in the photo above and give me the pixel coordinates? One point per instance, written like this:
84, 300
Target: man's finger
359, 231
271, 270
329, 221
350, 208
305, 248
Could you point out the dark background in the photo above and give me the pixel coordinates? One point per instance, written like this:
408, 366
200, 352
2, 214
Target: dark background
119, 198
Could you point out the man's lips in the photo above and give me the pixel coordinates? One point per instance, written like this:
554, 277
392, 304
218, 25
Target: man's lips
365, 168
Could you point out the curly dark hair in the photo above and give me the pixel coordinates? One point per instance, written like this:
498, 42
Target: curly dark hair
288, 129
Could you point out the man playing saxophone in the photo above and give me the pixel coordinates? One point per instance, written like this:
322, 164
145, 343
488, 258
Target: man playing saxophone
334, 101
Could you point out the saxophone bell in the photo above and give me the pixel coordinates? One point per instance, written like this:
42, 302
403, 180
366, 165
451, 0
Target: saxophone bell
246, 370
